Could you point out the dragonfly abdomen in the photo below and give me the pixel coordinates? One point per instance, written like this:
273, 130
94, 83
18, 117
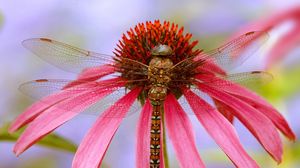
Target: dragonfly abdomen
156, 94
155, 145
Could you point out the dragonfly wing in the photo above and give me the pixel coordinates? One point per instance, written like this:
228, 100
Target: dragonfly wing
248, 79
185, 105
64, 56
257, 78
237, 51
110, 100
40, 89
251, 79
37, 89
226, 57
74, 59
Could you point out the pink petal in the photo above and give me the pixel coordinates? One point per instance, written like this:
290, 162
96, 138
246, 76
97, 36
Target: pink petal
275, 19
180, 132
93, 147
224, 110
255, 100
56, 115
221, 131
266, 24
92, 74
95, 73
143, 137
259, 125
277, 119
283, 46
39, 107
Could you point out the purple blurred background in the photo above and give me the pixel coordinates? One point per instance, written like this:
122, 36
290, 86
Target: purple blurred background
97, 26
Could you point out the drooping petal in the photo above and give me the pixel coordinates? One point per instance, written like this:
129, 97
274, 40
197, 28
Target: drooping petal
39, 107
259, 125
221, 131
56, 115
180, 132
277, 119
282, 47
94, 145
143, 137
255, 100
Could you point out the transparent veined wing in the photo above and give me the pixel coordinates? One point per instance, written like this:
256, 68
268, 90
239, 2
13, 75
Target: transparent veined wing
229, 55
185, 105
111, 100
57, 92
258, 78
248, 79
237, 51
70, 58
37, 89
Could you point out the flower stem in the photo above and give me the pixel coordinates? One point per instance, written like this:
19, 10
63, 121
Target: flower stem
164, 146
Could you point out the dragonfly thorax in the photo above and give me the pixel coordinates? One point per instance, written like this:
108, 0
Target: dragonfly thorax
159, 74
161, 50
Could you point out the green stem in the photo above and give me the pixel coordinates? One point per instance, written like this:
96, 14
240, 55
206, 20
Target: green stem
164, 146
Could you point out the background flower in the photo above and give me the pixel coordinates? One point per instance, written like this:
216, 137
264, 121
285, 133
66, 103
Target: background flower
287, 24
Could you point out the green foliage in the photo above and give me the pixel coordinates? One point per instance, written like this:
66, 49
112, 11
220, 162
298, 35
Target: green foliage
50, 141
296, 150
44, 161
285, 84
1, 20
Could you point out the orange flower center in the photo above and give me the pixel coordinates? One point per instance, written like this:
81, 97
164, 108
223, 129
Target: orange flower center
139, 42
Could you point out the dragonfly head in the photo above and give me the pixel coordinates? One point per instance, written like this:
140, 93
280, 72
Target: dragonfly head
161, 50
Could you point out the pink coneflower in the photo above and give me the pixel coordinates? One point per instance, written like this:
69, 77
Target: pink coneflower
288, 40
158, 66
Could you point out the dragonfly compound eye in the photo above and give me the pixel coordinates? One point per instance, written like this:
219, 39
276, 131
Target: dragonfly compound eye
161, 50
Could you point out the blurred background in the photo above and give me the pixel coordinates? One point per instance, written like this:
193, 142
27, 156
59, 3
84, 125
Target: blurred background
98, 25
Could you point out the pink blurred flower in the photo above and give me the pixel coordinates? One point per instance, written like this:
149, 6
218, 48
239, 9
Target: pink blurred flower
288, 41
194, 72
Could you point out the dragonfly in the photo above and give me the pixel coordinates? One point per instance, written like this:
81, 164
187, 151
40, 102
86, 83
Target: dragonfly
160, 75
